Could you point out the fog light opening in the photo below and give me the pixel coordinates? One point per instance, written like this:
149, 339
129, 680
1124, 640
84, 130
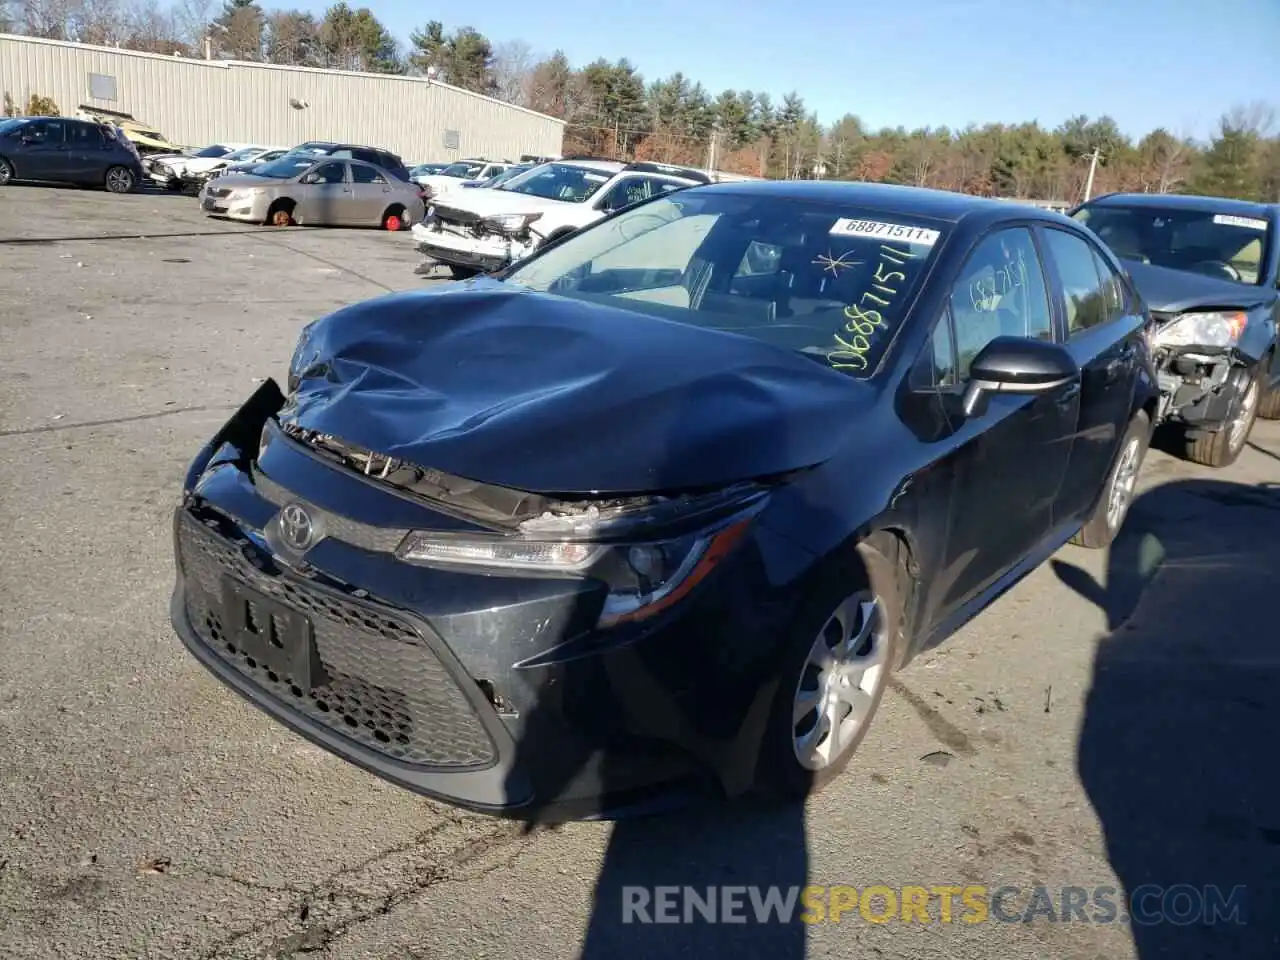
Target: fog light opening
496, 699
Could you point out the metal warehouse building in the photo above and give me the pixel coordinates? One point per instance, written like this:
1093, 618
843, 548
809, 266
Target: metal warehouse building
197, 102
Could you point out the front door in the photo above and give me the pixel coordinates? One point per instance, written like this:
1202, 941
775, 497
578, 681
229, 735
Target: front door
326, 197
1104, 326
1006, 463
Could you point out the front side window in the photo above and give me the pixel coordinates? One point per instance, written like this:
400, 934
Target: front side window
829, 281
1086, 301
1229, 246
462, 170
44, 131
329, 173
1001, 291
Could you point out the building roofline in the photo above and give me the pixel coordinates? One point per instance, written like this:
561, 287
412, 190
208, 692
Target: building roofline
225, 64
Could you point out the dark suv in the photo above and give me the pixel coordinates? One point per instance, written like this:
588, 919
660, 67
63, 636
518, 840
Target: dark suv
63, 150
352, 151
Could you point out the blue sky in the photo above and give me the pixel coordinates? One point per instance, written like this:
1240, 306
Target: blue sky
1172, 63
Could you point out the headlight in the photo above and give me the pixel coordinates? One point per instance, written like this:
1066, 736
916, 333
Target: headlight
644, 574
304, 355
1217, 329
511, 223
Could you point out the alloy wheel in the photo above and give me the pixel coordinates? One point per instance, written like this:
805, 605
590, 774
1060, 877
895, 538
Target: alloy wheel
1122, 484
841, 680
119, 180
1243, 419
6, 172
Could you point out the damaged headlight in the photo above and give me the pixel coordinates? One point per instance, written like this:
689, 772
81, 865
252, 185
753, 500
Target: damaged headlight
511, 224
1216, 329
645, 574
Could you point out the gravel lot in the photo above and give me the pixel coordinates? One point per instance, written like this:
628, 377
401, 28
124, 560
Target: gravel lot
1072, 736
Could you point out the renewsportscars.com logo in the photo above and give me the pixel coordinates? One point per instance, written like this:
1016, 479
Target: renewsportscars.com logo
1181, 904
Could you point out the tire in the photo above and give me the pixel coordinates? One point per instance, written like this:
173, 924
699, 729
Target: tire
1222, 447
6, 171
393, 218
841, 601
119, 180
1104, 524
280, 214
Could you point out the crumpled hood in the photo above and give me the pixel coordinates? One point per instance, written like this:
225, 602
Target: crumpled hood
1174, 291
493, 201
552, 395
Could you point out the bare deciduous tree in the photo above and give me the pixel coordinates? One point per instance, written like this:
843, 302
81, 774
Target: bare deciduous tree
513, 66
191, 20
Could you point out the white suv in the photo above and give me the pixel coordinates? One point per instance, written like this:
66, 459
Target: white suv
485, 229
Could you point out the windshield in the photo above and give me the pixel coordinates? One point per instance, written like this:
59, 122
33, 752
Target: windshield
284, 168
829, 281
463, 171
423, 169
559, 181
1225, 246
10, 124
214, 151
248, 153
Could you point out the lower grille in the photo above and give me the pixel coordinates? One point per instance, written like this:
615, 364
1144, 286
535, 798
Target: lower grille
382, 685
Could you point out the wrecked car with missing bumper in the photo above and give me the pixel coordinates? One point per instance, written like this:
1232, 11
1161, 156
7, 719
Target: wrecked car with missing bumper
1209, 269
658, 510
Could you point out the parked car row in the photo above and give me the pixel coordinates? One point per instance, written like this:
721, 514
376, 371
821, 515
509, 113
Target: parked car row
664, 503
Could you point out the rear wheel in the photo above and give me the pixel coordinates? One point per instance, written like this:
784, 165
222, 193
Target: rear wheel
393, 218
1116, 497
843, 646
6, 171
280, 214
119, 179
1269, 403
1221, 448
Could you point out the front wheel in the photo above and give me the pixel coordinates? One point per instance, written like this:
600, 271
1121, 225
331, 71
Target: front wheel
1222, 447
1117, 495
120, 180
842, 648
6, 171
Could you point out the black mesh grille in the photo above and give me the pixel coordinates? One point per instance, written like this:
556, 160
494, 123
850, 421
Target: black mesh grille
381, 685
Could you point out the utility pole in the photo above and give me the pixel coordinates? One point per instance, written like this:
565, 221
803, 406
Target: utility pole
1093, 168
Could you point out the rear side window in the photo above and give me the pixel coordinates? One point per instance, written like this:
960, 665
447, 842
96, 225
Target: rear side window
85, 135
1113, 294
1086, 301
364, 174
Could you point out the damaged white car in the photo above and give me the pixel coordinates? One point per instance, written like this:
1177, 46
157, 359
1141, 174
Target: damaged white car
482, 230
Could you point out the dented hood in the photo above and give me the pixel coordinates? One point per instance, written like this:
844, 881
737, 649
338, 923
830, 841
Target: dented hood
1175, 291
552, 395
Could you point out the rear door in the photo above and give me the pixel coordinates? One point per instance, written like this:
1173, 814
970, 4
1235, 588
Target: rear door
1103, 324
370, 194
328, 197
41, 151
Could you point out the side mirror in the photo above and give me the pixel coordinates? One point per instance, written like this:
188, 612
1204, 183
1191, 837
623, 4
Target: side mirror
310, 178
1017, 365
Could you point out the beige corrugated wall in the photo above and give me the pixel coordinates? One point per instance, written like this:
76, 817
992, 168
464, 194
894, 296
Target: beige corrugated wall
196, 102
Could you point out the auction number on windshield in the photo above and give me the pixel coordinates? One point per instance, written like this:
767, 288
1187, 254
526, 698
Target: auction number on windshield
863, 320
848, 227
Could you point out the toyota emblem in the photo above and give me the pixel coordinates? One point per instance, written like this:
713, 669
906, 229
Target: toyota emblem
296, 529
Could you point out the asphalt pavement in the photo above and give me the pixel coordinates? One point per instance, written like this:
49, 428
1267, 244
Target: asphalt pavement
1112, 722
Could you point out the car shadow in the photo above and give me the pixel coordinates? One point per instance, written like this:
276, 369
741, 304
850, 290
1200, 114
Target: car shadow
691, 873
1181, 731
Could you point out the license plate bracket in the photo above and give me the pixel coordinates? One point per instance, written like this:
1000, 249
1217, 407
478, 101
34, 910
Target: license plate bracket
275, 636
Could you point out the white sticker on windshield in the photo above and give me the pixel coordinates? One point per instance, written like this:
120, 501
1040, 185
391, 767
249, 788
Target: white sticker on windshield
594, 177
1230, 221
848, 227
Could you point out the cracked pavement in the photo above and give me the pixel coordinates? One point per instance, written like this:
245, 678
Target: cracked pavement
1071, 736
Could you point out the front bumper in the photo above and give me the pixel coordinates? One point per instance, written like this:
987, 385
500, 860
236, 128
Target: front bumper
488, 253
249, 210
490, 692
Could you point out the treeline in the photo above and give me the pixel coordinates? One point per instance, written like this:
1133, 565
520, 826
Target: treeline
611, 109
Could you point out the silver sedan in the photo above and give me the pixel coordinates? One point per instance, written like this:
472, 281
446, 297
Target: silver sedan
311, 190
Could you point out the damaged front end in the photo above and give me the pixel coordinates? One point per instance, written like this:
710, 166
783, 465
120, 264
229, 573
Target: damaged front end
1200, 364
460, 238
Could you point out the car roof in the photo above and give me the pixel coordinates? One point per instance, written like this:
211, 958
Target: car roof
943, 205
605, 166
1190, 203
